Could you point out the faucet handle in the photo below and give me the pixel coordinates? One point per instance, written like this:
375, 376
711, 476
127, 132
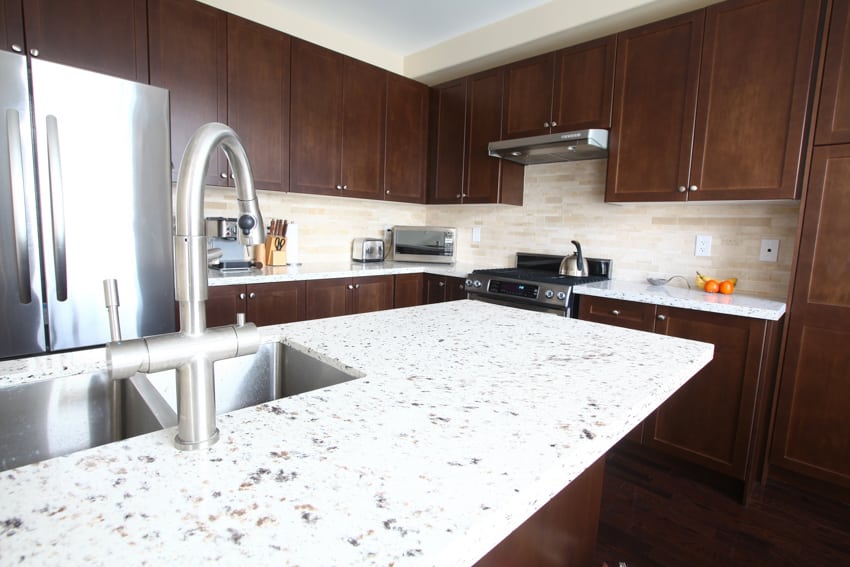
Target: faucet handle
110, 296
247, 224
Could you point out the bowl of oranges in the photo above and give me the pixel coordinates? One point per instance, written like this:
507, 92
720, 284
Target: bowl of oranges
716, 285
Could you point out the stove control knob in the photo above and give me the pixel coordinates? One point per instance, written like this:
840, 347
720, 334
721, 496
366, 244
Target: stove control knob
562, 295
549, 294
476, 283
468, 283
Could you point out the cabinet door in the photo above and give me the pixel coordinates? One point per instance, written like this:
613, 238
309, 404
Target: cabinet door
584, 86
434, 290
833, 123
448, 119
627, 314
316, 119
710, 420
276, 303
408, 290
406, 140
754, 87
484, 114
188, 56
328, 298
528, 97
364, 112
455, 288
372, 293
106, 36
12, 26
812, 432
258, 98
652, 124
223, 303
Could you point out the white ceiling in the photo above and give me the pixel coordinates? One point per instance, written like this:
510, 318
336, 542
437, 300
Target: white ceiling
408, 26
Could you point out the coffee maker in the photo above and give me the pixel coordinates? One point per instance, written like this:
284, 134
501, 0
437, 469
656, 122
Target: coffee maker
224, 251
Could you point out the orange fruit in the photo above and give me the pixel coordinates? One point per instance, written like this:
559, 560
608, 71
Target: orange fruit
712, 286
727, 287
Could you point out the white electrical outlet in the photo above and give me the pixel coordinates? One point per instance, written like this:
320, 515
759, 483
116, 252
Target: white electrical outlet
769, 251
703, 245
476, 234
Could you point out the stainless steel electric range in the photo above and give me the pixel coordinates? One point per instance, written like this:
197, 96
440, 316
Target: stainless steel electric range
534, 283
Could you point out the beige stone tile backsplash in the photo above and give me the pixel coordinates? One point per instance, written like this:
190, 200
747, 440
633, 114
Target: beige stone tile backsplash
562, 202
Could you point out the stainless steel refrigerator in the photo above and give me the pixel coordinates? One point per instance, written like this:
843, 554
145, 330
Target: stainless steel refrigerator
85, 195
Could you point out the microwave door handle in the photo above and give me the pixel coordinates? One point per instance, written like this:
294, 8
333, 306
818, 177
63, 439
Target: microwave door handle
20, 222
57, 208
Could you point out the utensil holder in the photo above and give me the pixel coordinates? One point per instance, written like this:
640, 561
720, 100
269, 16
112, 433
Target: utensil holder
275, 251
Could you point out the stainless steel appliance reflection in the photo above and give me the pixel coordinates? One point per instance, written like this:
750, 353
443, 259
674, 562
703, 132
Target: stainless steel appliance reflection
85, 194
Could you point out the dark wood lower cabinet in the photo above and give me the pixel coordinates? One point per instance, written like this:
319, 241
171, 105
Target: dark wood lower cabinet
719, 419
562, 533
408, 290
346, 296
263, 304
442, 288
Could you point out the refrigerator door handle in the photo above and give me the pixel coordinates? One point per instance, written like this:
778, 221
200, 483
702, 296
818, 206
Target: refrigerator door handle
19, 212
57, 208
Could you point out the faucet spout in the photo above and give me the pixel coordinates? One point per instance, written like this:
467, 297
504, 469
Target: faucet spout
193, 350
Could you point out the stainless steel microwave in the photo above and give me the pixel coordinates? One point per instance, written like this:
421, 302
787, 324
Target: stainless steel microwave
424, 244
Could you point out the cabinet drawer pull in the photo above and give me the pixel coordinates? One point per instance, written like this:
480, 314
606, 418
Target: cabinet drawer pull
338, 187
223, 175
554, 124
350, 286
34, 52
17, 48
357, 286
693, 188
545, 124
441, 284
615, 312
682, 189
241, 296
252, 295
661, 317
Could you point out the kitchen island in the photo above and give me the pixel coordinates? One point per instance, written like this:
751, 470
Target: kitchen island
466, 419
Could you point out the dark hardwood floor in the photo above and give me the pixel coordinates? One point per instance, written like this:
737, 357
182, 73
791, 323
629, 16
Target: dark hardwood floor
655, 516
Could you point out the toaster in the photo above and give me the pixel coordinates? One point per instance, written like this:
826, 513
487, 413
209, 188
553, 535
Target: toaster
367, 250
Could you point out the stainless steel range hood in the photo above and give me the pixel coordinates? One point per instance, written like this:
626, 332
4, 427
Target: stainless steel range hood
550, 148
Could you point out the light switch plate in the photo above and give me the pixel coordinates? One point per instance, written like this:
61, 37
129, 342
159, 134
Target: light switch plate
769, 251
703, 245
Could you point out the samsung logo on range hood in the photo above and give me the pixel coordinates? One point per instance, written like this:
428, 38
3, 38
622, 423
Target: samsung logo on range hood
550, 148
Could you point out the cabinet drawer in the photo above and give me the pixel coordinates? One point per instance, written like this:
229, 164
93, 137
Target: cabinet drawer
628, 314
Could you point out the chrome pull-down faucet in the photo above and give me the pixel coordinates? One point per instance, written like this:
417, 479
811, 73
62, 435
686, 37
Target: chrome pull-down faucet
193, 349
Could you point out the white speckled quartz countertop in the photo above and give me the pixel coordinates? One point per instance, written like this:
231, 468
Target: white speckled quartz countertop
445, 446
734, 304
346, 269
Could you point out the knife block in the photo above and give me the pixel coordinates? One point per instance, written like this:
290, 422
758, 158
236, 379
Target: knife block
275, 251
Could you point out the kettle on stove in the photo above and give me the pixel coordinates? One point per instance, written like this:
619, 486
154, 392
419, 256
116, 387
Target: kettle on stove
574, 264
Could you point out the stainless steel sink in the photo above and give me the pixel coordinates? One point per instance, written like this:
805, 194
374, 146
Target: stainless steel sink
56, 417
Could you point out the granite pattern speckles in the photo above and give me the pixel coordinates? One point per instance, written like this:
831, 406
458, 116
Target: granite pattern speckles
445, 445
316, 271
735, 304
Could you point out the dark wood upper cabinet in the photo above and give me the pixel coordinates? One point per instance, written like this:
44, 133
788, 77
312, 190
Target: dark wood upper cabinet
188, 56
484, 124
713, 105
406, 143
106, 36
12, 26
565, 90
812, 431
654, 108
258, 98
528, 97
447, 142
584, 86
364, 104
833, 121
755, 84
338, 113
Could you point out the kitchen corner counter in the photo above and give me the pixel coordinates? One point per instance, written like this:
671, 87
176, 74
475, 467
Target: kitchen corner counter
444, 446
324, 270
734, 304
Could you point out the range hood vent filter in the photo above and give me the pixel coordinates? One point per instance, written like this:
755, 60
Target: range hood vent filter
552, 148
